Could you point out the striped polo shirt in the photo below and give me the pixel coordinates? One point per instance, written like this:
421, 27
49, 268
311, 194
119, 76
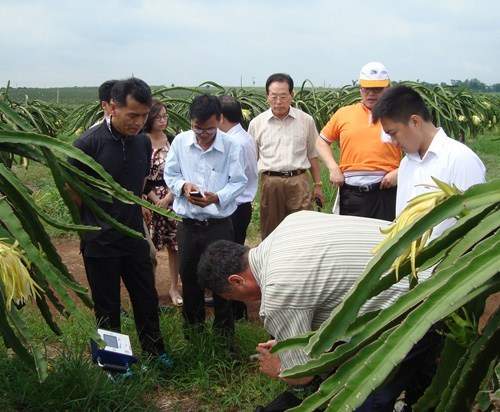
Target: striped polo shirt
306, 266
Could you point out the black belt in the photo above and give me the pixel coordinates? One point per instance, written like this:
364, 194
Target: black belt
204, 223
362, 188
290, 173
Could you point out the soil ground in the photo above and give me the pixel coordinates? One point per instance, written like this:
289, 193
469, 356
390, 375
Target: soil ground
69, 250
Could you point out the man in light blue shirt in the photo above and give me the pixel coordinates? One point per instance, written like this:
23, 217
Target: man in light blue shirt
205, 171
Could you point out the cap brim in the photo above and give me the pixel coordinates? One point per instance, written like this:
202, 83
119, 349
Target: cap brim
374, 83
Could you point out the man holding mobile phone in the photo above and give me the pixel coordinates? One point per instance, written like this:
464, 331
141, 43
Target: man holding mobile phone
204, 170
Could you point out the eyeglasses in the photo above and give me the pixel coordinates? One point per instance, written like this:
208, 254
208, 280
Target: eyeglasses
210, 130
164, 117
275, 97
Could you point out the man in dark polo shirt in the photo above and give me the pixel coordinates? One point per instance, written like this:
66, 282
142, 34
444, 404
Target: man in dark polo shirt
108, 254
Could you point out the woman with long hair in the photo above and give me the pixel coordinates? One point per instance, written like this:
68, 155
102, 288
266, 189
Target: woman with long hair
163, 230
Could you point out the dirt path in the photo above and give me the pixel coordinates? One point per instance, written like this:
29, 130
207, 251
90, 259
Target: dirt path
69, 249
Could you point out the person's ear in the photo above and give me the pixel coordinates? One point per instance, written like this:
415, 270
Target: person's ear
113, 107
415, 121
236, 280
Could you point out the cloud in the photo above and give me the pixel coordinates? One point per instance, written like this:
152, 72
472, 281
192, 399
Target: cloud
53, 43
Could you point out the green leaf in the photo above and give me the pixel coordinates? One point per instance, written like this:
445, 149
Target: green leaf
345, 313
357, 387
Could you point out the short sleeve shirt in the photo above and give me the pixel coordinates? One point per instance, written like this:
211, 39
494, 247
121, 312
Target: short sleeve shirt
284, 144
446, 159
361, 146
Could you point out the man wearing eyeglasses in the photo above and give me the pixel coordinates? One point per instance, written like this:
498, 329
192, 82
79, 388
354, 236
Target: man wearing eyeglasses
366, 174
285, 137
204, 170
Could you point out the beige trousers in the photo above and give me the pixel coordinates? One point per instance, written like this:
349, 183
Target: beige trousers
281, 196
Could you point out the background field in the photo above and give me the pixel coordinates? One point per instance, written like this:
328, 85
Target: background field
204, 378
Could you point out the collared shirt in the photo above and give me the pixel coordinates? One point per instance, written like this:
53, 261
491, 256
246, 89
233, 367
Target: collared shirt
127, 159
284, 144
250, 156
219, 169
364, 157
446, 159
98, 122
306, 266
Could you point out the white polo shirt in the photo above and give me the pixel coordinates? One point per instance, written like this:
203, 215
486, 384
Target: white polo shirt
446, 159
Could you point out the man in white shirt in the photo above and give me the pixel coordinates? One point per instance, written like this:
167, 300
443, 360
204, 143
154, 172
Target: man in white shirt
104, 95
230, 123
429, 151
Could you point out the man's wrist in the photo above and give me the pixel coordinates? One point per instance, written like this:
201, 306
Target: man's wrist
318, 184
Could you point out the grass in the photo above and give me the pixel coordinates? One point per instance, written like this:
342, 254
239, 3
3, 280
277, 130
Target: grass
487, 146
45, 194
204, 377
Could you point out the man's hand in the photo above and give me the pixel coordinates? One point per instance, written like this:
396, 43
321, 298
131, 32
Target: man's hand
336, 177
491, 306
207, 199
267, 345
269, 364
75, 197
318, 193
188, 188
389, 180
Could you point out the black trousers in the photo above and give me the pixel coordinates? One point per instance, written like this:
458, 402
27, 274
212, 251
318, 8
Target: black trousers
241, 219
413, 375
377, 204
136, 270
192, 240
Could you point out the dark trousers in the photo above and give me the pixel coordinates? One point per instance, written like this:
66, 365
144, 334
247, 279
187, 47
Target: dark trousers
136, 271
241, 219
192, 240
412, 376
377, 204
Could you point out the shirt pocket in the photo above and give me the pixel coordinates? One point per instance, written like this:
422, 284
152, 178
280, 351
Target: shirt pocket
217, 179
298, 140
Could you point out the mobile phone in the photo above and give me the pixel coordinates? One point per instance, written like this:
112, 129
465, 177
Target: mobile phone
195, 194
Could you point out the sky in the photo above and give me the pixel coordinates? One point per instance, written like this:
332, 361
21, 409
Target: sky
183, 42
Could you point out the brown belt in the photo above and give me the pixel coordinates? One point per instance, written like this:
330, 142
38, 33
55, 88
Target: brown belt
290, 173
